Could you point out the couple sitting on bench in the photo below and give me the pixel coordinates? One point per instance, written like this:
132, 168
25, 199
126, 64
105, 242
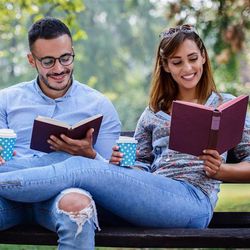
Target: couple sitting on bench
163, 189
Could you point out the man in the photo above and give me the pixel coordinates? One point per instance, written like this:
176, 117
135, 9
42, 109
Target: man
56, 94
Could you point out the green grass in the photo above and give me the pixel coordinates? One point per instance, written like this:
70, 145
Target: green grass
24, 247
233, 197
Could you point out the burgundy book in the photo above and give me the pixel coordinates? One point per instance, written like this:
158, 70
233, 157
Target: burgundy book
195, 127
43, 127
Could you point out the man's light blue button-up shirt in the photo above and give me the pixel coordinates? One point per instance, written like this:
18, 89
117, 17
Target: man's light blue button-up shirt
22, 103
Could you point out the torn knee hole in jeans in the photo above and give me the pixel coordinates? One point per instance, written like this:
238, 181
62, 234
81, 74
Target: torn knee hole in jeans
85, 215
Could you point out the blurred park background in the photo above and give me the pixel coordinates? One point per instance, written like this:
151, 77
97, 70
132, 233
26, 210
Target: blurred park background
115, 43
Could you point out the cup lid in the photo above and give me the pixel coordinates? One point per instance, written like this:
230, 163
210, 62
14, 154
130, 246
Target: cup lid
126, 139
5, 132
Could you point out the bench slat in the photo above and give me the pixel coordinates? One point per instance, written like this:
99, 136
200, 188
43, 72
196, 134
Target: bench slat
133, 237
138, 237
230, 220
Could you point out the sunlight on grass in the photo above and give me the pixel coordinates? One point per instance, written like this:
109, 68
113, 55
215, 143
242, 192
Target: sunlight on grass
234, 197
24, 247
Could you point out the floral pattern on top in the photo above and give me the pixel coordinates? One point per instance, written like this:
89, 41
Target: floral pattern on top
152, 133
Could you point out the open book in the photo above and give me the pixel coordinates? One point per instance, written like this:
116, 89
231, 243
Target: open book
44, 127
195, 127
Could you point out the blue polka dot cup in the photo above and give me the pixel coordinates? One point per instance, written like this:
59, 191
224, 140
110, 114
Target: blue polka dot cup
7, 142
127, 146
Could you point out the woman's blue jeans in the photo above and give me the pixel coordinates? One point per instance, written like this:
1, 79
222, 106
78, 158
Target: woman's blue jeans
141, 198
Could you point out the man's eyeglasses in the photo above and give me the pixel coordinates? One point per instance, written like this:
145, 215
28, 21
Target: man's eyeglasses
49, 61
185, 28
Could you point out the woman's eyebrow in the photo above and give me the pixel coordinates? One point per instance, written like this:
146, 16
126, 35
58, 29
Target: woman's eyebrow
194, 53
178, 57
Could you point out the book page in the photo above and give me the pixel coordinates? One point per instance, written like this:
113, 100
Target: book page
52, 121
85, 121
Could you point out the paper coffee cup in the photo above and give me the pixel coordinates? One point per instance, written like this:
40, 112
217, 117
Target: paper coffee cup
7, 142
127, 146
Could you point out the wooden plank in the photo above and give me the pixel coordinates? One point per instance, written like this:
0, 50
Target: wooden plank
138, 237
28, 235
133, 237
230, 220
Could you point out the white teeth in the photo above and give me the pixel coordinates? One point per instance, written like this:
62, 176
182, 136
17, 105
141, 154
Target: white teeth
58, 77
188, 76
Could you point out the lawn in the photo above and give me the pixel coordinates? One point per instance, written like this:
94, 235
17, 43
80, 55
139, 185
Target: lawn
233, 197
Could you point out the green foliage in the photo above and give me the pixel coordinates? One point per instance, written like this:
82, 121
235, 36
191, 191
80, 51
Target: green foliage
123, 35
224, 26
115, 42
118, 53
16, 16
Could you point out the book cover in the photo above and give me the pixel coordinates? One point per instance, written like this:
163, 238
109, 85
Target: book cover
44, 127
195, 127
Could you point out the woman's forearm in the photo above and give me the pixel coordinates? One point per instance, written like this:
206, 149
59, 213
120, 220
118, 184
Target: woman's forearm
238, 172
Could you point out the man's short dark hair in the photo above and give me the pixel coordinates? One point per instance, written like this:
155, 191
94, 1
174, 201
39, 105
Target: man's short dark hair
47, 28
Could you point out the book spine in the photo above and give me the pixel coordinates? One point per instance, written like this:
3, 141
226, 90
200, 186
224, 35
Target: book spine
214, 130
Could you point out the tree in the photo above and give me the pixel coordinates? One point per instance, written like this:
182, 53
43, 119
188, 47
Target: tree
16, 16
117, 57
224, 24
115, 42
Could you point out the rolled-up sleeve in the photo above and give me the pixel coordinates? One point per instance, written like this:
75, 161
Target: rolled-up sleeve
109, 131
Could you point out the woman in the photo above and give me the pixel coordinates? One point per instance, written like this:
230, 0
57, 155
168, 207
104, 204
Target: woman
165, 188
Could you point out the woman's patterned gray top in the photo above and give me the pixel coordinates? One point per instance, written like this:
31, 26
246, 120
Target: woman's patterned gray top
152, 133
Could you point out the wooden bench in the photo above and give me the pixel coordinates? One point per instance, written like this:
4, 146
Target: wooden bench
227, 229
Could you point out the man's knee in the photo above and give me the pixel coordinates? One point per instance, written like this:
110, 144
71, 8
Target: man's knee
79, 206
74, 202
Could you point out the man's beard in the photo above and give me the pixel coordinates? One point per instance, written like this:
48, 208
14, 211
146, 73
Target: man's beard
46, 81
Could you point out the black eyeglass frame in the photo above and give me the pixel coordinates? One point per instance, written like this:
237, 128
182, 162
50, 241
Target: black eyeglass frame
54, 60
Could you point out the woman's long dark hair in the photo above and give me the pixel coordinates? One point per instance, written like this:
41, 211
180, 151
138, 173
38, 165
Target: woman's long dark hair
164, 89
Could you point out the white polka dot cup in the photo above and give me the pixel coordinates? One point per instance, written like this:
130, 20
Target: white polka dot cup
7, 142
127, 146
